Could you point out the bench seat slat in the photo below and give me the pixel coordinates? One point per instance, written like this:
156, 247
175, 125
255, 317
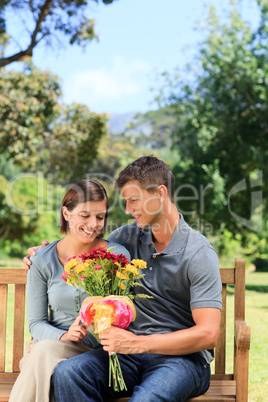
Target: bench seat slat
219, 390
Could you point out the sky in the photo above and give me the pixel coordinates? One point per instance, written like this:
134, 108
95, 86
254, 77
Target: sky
138, 40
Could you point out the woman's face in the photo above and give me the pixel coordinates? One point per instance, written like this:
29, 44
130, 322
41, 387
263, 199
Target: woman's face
86, 220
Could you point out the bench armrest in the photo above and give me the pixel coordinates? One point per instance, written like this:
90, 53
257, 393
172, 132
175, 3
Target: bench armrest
241, 359
242, 335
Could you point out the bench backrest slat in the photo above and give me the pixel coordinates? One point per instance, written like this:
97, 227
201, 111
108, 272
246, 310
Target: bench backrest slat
230, 276
220, 350
240, 286
18, 278
18, 333
3, 323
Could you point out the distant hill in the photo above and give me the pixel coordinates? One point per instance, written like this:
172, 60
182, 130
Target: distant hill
118, 123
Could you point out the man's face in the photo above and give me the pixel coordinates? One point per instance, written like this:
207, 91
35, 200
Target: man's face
145, 207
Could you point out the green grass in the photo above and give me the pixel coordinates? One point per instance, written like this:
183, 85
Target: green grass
256, 317
11, 263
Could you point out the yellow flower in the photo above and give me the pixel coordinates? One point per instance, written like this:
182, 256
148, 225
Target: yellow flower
121, 285
70, 264
79, 268
139, 264
131, 268
122, 276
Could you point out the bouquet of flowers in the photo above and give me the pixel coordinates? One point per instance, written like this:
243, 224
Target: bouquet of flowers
109, 279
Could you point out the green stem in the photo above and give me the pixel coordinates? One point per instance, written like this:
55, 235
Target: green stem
110, 370
116, 372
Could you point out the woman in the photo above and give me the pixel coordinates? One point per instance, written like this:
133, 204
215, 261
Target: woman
52, 305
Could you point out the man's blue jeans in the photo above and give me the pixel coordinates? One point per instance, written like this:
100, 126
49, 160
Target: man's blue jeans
148, 377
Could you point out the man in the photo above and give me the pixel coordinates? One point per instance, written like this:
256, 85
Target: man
165, 353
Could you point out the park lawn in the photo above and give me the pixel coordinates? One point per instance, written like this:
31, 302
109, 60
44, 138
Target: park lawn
256, 317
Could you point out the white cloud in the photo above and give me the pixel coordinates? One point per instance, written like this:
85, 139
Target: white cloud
99, 88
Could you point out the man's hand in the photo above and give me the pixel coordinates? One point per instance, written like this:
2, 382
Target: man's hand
32, 251
119, 340
201, 336
76, 332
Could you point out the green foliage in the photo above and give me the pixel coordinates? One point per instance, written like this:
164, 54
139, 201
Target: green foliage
72, 144
48, 21
7, 167
155, 128
221, 134
29, 212
14, 224
29, 102
39, 133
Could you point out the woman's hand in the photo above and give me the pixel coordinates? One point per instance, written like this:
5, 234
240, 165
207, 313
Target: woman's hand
76, 332
30, 348
32, 251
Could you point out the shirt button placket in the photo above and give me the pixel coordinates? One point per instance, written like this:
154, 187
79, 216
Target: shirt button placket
153, 256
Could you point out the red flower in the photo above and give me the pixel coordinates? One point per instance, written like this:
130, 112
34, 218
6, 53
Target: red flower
102, 253
64, 276
120, 258
72, 257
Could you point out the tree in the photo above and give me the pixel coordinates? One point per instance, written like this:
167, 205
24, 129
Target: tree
29, 205
47, 21
38, 132
223, 141
152, 129
29, 103
14, 225
71, 147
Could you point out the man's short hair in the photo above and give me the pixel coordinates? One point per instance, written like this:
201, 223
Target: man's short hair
150, 172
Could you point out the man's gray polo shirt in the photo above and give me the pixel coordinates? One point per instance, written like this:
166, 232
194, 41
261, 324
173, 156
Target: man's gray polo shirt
184, 276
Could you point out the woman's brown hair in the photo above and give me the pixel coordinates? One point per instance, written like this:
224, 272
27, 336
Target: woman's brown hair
79, 192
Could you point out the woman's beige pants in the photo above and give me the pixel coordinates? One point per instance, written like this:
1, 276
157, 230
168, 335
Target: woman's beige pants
37, 367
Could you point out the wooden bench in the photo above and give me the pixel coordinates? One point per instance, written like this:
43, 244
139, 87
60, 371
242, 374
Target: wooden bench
223, 387
7, 278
